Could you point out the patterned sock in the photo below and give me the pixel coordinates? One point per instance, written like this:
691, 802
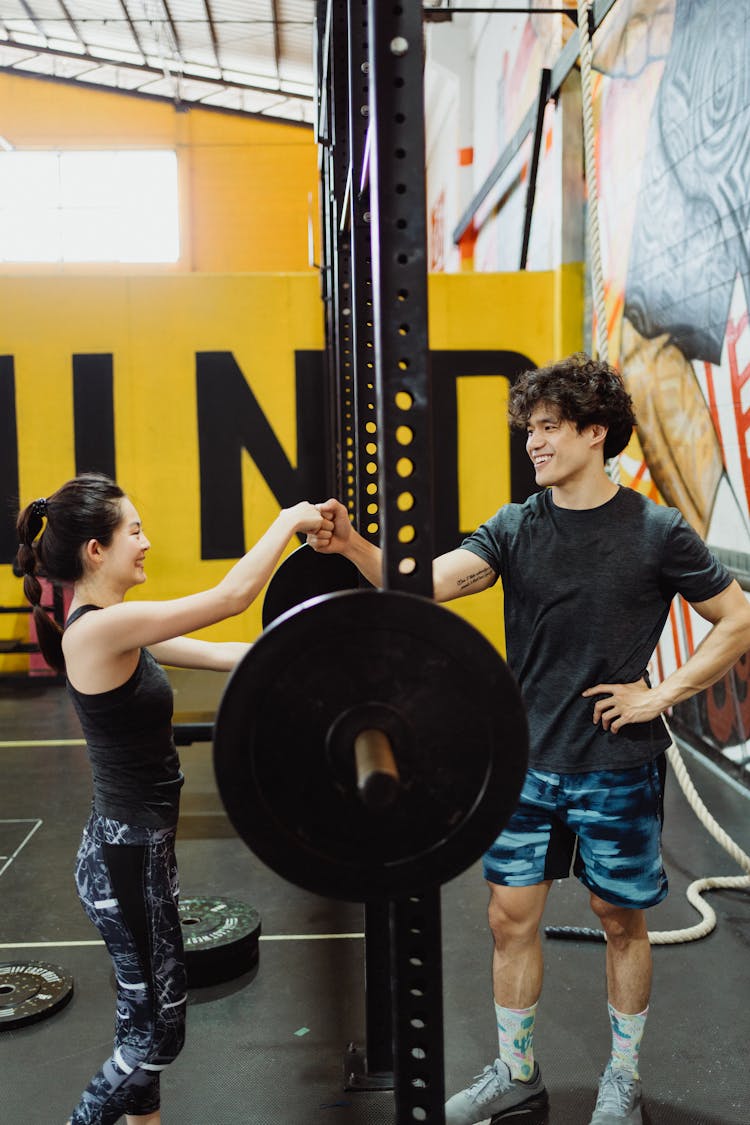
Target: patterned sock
627, 1032
515, 1033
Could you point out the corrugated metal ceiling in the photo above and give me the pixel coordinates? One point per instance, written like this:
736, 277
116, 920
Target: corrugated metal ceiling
250, 56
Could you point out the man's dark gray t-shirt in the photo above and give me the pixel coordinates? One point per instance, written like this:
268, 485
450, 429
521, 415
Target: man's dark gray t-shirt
587, 594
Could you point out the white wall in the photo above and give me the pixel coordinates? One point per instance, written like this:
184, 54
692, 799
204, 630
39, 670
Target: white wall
481, 77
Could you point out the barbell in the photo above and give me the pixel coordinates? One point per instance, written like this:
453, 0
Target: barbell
370, 744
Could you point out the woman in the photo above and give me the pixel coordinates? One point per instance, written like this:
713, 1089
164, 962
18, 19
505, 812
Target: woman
92, 537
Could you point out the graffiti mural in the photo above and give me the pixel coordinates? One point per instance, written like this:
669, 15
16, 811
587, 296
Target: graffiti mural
676, 228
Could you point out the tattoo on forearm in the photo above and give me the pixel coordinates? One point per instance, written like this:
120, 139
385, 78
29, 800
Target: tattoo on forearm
470, 579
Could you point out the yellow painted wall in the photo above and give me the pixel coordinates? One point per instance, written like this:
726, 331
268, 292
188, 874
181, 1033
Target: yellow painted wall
243, 285
244, 183
153, 326
538, 314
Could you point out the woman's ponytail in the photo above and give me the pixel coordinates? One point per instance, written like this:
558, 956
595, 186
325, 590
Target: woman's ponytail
49, 634
87, 507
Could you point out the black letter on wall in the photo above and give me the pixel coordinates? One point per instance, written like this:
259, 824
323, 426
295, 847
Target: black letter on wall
230, 420
8, 461
93, 413
447, 367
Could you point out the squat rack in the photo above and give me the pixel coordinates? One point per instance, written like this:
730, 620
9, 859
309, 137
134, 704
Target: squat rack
370, 130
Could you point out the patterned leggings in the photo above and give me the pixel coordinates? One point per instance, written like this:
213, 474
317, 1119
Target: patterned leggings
127, 882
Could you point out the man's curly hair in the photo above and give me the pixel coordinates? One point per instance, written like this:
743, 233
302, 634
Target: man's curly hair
581, 390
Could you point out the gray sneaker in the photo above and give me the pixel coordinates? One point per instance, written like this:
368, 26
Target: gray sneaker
619, 1101
494, 1092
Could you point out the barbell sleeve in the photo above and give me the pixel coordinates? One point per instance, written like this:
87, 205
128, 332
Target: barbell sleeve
378, 780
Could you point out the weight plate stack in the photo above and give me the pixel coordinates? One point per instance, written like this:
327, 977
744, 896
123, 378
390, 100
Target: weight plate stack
31, 991
221, 938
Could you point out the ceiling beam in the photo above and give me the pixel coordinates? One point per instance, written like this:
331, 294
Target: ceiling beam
72, 24
214, 35
173, 29
31, 49
133, 29
36, 23
276, 38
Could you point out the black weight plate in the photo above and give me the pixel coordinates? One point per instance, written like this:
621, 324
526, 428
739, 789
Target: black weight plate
31, 991
221, 939
305, 574
332, 667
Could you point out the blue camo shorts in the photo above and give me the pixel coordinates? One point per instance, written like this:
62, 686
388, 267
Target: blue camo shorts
607, 824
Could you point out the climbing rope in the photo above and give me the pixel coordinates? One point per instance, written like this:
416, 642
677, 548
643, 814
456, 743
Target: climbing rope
589, 156
592, 208
698, 886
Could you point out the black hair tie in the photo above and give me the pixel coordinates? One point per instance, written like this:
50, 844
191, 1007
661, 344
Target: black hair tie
39, 507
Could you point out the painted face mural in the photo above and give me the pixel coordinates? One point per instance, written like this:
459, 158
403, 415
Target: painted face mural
675, 203
674, 113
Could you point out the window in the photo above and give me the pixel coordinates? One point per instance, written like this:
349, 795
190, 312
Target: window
89, 207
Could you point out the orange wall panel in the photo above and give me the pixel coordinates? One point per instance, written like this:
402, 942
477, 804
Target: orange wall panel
245, 184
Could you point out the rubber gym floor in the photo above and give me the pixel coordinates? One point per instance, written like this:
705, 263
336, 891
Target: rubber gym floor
269, 1045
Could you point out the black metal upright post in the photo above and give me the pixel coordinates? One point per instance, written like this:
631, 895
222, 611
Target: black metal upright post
323, 139
347, 294
333, 142
399, 253
366, 449
372, 1068
404, 427
536, 148
375, 288
342, 259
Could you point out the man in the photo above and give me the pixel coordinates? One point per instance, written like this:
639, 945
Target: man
589, 570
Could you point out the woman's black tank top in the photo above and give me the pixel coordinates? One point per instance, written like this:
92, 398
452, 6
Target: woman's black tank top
130, 742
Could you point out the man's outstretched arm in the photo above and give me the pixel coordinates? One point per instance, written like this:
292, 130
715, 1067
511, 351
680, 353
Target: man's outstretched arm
454, 574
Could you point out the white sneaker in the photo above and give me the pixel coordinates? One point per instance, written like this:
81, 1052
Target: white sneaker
494, 1091
620, 1100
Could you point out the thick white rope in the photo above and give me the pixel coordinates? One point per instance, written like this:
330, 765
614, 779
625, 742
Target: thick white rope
592, 208
698, 886
589, 155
